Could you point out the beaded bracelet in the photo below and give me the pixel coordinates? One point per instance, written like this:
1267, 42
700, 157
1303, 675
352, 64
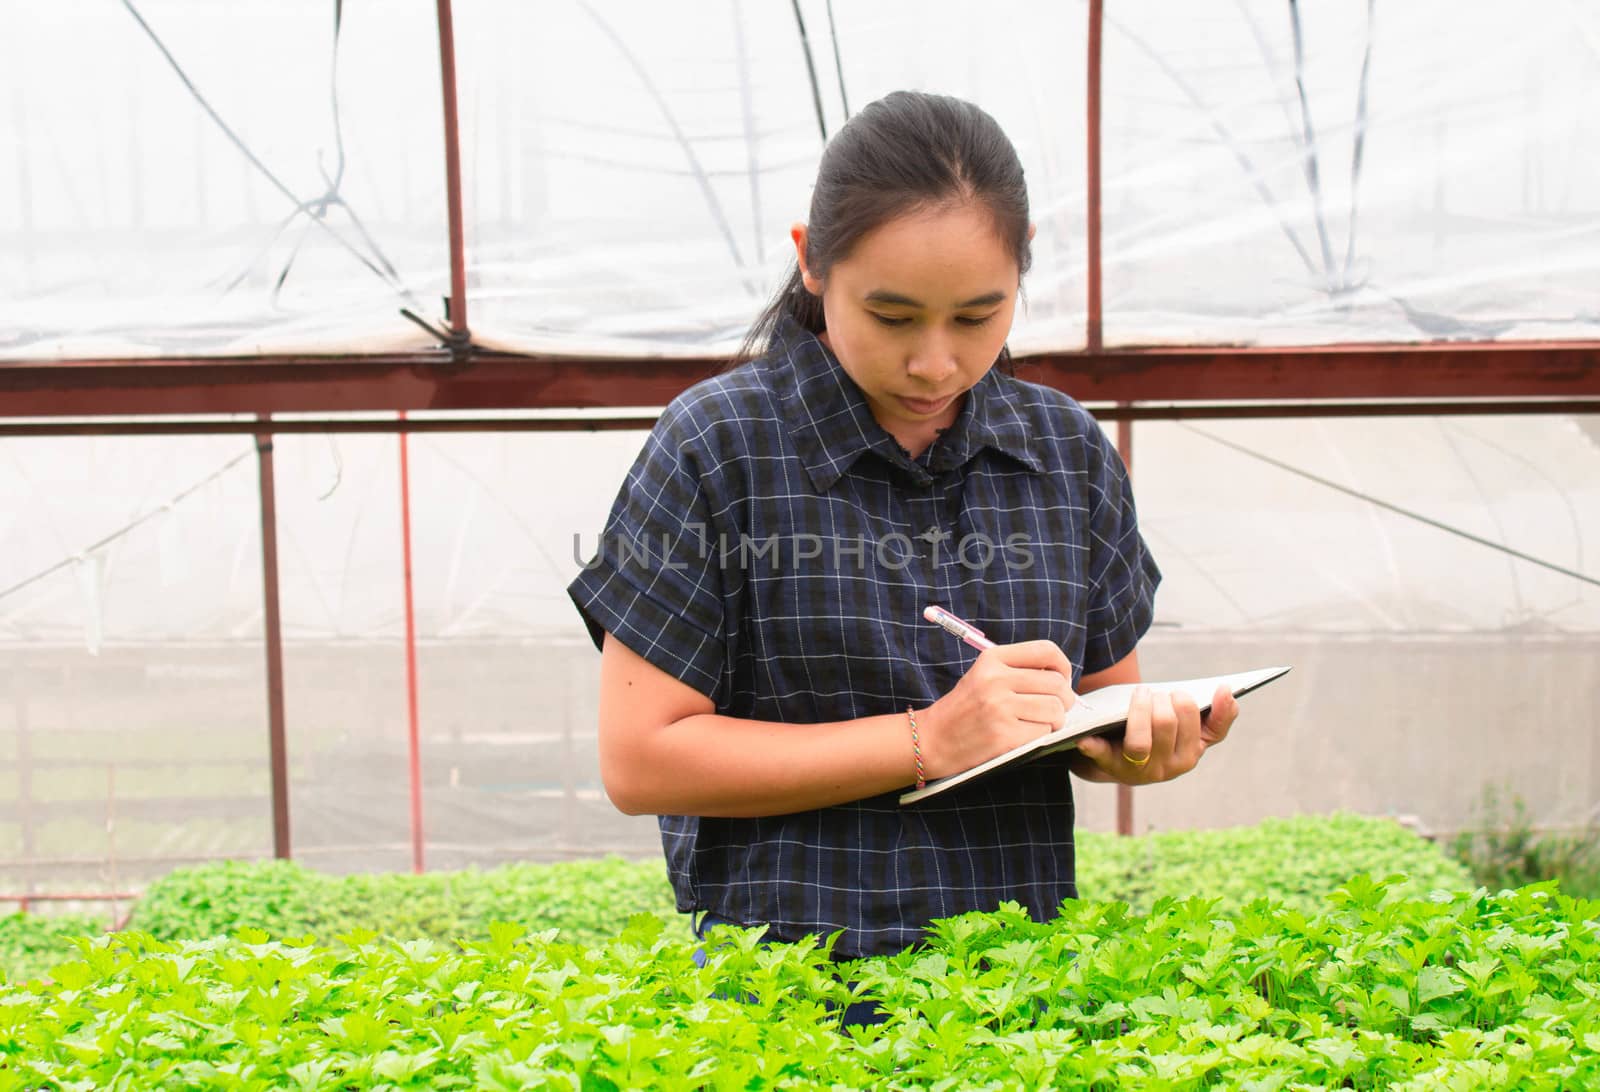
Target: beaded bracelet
916, 747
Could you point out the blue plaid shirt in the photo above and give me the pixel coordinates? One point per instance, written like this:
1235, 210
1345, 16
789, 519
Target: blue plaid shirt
773, 547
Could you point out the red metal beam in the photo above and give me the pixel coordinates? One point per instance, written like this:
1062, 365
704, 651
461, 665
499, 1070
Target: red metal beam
1449, 371
641, 422
1446, 371
300, 384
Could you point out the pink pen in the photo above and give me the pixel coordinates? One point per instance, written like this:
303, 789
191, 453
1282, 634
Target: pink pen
968, 632
957, 628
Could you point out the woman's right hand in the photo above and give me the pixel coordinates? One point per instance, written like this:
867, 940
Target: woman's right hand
1011, 694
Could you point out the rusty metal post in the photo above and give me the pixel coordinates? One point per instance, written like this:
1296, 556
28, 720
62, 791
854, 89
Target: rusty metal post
459, 336
1125, 792
413, 732
278, 746
1094, 333
111, 839
1093, 329
24, 781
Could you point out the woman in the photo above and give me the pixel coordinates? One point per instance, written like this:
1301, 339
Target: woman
768, 685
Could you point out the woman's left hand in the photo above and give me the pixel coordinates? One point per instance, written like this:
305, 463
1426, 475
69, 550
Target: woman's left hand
1164, 739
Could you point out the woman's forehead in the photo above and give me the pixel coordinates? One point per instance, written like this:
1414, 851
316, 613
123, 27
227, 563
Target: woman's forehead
946, 255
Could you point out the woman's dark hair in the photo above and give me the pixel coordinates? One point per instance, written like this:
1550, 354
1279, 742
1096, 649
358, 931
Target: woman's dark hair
904, 152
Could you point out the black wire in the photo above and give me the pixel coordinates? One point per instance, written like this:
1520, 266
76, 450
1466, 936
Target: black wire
338, 468
331, 196
314, 209
1488, 506
1252, 172
752, 142
1360, 144
706, 189
811, 70
120, 532
1312, 153
838, 63
338, 141
1395, 508
1537, 471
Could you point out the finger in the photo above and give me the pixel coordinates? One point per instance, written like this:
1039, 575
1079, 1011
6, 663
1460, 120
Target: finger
1187, 745
1031, 680
1034, 682
1044, 655
1045, 711
1104, 754
1137, 745
1219, 721
1163, 727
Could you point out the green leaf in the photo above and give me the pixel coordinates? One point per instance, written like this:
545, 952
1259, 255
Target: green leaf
1435, 982
395, 1066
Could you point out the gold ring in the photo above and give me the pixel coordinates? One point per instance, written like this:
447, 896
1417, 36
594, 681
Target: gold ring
1135, 761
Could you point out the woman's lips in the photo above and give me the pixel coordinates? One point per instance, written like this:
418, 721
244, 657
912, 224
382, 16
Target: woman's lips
925, 407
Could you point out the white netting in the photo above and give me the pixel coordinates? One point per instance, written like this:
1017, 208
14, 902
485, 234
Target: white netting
1427, 666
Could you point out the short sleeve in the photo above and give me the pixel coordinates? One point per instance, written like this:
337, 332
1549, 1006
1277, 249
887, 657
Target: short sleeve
653, 581
1122, 573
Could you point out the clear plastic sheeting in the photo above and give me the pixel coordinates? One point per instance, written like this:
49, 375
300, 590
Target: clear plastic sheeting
1425, 728
260, 177
119, 540
195, 178
268, 177
159, 540
1392, 526
1312, 173
633, 169
1320, 526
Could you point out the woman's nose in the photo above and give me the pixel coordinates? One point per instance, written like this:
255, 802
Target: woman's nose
932, 360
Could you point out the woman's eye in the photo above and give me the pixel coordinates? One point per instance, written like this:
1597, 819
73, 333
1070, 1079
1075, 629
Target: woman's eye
889, 320
968, 320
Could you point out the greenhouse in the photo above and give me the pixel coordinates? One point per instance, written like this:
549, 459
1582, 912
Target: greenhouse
329, 334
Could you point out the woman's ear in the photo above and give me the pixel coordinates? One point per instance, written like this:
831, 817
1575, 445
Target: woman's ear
798, 232
1033, 229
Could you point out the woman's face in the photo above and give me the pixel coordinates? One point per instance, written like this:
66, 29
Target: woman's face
917, 312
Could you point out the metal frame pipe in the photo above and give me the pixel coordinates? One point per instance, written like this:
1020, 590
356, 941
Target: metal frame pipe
413, 730
460, 336
1125, 792
277, 734
1445, 372
643, 422
1093, 330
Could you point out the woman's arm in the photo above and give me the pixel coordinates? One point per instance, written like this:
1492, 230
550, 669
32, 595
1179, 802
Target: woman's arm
1125, 670
663, 750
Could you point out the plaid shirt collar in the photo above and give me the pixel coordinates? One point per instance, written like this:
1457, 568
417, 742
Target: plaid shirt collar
832, 423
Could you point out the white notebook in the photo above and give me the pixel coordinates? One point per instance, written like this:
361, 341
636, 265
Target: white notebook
1098, 713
